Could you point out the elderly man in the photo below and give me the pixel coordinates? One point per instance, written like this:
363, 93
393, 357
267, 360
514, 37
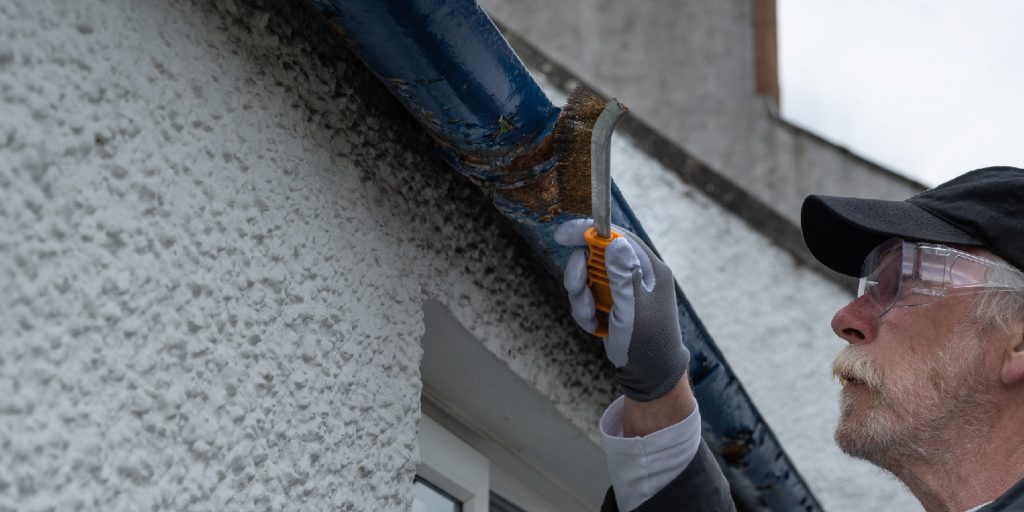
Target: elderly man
933, 376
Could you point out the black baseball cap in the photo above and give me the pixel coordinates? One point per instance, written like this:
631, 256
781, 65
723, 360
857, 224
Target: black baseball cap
983, 208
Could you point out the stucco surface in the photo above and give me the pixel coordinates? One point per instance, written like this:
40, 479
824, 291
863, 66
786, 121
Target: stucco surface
218, 234
216, 244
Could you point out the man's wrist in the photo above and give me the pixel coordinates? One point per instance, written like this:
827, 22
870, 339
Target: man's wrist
641, 465
643, 418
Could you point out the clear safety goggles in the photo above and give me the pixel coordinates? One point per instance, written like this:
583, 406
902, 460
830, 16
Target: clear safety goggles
901, 274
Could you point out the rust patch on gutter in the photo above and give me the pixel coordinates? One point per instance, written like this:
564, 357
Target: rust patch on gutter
538, 192
734, 453
553, 177
564, 187
735, 450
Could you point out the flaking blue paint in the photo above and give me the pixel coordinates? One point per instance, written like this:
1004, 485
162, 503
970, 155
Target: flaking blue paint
451, 68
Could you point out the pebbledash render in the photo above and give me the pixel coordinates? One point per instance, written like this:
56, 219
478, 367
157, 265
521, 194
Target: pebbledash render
222, 249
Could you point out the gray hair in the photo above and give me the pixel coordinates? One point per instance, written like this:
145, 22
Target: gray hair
1000, 308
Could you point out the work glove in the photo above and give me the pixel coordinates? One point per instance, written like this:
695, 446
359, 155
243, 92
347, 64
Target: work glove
644, 342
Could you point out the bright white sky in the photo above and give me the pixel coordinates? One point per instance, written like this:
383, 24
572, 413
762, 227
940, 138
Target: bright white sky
929, 89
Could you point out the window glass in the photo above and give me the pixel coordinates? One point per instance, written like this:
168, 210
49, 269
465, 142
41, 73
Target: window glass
427, 498
499, 504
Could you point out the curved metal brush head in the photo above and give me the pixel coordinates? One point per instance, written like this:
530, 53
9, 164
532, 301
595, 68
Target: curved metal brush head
600, 166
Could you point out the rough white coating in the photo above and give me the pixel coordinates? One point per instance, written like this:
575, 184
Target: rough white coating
214, 255
215, 248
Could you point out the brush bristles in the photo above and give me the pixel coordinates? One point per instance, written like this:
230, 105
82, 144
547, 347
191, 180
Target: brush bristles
571, 135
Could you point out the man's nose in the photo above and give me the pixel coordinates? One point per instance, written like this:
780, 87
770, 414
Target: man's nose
856, 322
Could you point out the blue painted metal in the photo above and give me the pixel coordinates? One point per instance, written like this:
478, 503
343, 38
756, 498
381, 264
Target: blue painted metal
448, 64
454, 71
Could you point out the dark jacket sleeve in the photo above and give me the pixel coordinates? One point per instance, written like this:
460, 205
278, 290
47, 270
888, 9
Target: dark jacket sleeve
1011, 500
701, 486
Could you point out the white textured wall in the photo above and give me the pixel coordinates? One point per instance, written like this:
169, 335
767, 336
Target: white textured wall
215, 251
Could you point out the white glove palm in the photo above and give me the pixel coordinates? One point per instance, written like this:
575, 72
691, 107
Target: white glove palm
620, 258
644, 341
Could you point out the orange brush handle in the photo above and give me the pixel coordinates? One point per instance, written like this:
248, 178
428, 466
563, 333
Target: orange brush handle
597, 277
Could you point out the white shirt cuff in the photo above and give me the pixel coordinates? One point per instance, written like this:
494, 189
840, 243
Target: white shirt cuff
639, 467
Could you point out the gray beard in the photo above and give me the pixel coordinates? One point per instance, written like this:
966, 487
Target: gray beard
882, 438
948, 415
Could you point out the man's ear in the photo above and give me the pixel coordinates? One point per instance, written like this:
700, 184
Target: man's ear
1013, 358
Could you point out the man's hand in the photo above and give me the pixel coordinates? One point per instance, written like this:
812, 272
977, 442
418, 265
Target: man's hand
644, 341
644, 418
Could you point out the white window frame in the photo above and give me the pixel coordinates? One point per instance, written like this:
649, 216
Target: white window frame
453, 466
459, 470
538, 459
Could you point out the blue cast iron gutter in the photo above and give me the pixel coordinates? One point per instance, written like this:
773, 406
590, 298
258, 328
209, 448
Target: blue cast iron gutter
453, 70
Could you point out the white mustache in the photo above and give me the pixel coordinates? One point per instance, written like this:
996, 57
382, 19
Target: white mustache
852, 364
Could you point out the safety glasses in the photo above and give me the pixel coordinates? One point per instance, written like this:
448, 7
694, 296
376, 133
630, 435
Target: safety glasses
902, 274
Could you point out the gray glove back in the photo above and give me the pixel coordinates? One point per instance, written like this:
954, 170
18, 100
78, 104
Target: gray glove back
644, 340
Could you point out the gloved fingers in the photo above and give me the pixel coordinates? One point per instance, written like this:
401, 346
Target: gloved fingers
620, 330
570, 233
575, 277
620, 259
621, 262
583, 311
644, 257
581, 299
616, 346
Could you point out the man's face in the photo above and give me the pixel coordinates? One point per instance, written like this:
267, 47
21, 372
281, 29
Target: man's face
910, 376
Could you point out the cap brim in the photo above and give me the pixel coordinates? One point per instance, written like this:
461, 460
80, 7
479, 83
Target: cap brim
841, 231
